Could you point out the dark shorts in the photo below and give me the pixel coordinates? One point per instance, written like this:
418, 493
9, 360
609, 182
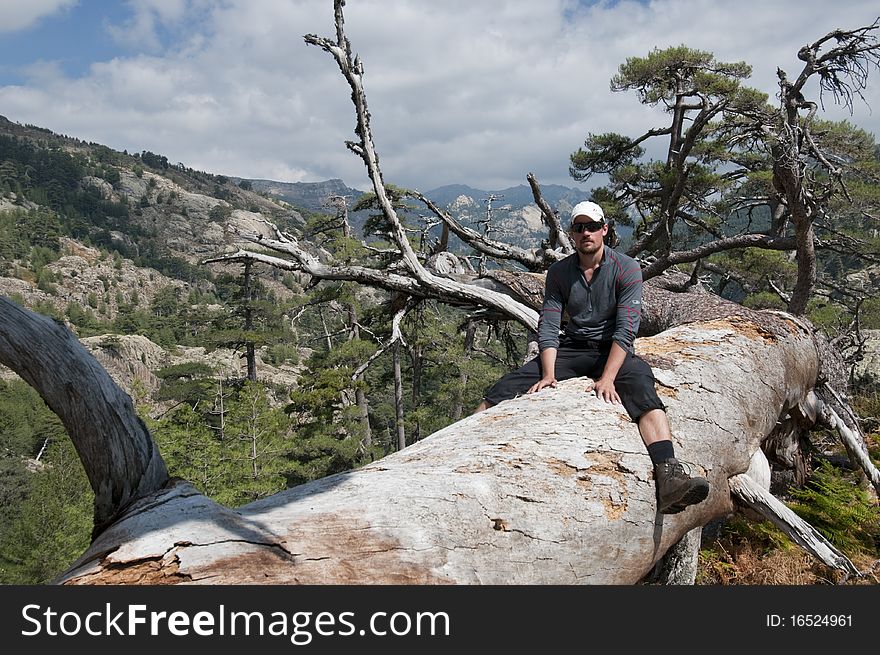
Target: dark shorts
634, 382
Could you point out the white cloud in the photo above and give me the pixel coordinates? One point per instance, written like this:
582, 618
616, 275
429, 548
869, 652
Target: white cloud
480, 93
19, 15
148, 17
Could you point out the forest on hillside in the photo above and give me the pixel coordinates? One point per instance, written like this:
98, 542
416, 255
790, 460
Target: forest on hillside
238, 439
748, 195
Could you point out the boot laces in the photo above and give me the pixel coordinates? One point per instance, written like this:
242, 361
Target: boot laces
680, 469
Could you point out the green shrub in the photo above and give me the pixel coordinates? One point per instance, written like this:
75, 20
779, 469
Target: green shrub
282, 353
843, 512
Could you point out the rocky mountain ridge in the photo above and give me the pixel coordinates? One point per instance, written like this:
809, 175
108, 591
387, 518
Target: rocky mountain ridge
511, 214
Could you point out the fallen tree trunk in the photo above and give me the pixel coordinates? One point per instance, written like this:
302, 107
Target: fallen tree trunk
549, 488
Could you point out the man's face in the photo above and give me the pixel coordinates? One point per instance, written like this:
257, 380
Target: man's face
587, 242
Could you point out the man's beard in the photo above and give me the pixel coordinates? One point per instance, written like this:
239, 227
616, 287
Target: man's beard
588, 247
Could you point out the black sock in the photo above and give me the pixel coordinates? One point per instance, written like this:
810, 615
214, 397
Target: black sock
660, 451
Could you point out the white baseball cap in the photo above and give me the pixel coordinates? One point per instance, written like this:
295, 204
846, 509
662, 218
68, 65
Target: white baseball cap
588, 209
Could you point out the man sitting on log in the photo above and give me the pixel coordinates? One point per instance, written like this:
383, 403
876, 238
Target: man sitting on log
602, 291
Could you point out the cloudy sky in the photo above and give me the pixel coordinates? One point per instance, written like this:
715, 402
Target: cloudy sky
478, 92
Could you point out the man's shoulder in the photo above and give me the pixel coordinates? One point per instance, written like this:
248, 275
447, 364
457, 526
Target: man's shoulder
562, 264
625, 262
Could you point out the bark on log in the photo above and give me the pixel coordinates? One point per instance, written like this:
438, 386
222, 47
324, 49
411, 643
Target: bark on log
550, 488
680, 565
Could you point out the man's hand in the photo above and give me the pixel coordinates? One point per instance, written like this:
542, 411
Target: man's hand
605, 391
542, 383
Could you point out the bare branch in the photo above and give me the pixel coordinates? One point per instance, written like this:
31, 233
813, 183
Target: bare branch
730, 243
423, 279
749, 492
557, 235
843, 70
785, 297
481, 243
443, 289
852, 438
396, 336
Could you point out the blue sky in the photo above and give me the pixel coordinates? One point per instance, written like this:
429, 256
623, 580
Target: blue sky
74, 37
479, 92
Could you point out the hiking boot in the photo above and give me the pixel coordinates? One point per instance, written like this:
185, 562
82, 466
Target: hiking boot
676, 489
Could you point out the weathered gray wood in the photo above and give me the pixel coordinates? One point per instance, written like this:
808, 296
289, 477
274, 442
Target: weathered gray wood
115, 447
853, 442
680, 565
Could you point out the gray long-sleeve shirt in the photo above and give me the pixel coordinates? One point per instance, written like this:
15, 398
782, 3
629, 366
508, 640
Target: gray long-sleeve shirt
608, 308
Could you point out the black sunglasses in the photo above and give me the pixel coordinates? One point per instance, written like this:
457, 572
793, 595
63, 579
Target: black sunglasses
592, 226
